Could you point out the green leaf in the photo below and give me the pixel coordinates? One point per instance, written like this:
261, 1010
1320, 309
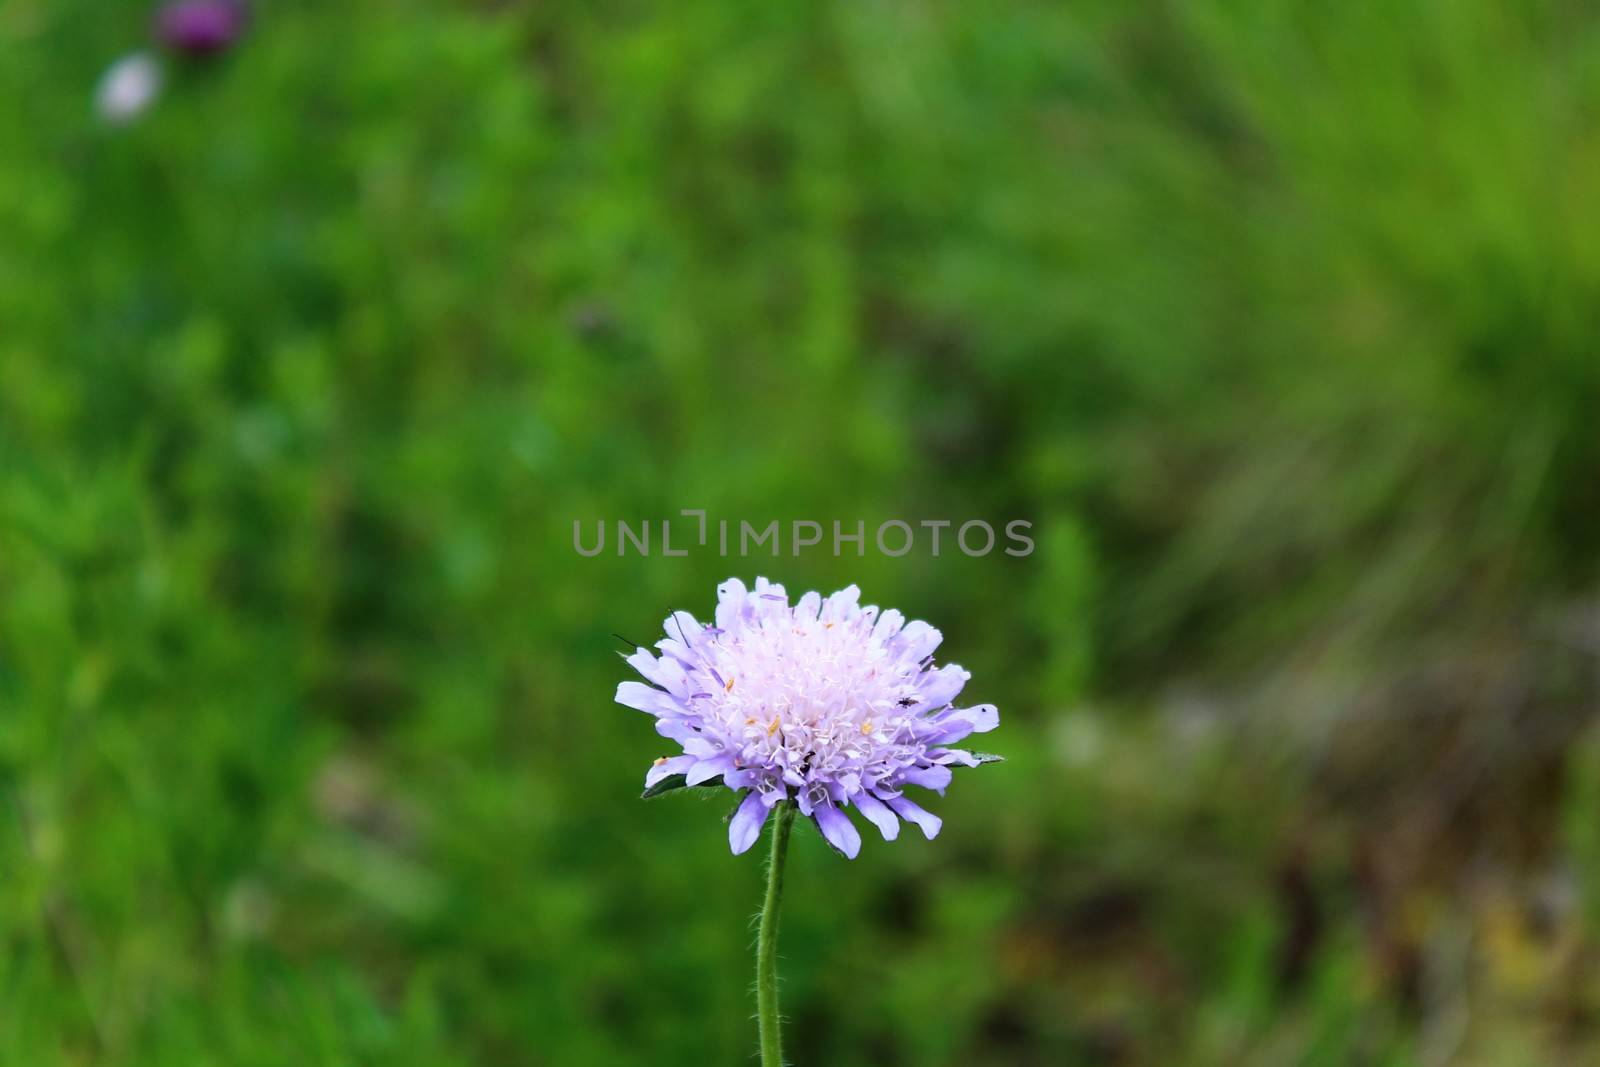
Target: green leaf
987, 757
675, 783
666, 785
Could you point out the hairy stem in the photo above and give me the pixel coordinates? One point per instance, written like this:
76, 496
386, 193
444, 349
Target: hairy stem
767, 942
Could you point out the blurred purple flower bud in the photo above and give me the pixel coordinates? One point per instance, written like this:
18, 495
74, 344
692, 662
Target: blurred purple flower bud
201, 27
128, 87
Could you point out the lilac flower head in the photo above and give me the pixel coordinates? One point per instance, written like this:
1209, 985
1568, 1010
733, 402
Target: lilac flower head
201, 27
825, 702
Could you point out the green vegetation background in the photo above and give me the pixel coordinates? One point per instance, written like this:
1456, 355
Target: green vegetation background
1277, 320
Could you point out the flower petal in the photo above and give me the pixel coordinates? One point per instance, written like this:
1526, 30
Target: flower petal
745, 826
888, 625
935, 777
700, 745
771, 592
664, 672
841, 605
731, 596
668, 767
879, 814
683, 627
641, 696
706, 769
919, 640
679, 730
910, 812
838, 829
938, 688
960, 722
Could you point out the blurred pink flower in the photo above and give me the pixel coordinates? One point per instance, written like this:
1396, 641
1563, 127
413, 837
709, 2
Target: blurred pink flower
128, 87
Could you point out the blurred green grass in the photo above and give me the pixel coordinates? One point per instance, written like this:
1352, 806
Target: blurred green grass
1276, 320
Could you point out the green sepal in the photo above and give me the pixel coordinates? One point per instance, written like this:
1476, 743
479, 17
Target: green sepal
674, 783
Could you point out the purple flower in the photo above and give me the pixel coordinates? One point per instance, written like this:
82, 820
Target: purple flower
201, 27
827, 703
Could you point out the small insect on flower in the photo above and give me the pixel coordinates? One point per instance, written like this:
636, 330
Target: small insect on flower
825, 702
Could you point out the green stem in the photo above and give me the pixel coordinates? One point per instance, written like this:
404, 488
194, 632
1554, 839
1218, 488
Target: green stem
767, 942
